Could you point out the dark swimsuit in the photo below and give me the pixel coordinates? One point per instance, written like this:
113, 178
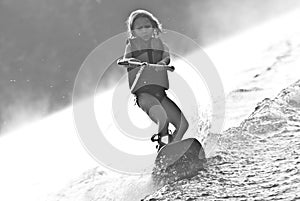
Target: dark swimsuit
154, 90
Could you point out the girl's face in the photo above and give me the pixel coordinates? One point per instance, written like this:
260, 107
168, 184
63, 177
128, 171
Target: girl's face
142, 28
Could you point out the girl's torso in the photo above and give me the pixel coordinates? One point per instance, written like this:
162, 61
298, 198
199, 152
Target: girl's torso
152, 52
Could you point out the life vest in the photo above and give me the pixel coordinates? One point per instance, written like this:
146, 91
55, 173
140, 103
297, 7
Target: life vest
151, 52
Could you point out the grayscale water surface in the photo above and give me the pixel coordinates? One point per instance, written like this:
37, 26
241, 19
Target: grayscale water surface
257, 156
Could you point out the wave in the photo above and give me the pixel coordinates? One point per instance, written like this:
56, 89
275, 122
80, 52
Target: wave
260, 158
277, 115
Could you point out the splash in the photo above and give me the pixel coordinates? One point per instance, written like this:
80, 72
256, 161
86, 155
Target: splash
275, 116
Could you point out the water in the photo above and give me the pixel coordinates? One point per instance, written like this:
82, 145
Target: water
257, 156
260, 158
246, 166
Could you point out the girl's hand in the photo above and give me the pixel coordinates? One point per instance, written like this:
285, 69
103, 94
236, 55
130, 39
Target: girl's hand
161, 63
134, 59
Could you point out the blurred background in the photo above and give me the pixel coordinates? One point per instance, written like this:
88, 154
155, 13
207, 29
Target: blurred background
44, 42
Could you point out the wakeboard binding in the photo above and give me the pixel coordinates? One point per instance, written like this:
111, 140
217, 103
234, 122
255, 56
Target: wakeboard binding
158, 138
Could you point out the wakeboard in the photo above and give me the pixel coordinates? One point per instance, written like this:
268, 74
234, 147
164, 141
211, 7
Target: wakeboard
179, 160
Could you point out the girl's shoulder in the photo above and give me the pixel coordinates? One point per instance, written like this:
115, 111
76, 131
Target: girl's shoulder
157, 44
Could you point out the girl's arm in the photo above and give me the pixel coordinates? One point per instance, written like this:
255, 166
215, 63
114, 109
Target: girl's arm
165, 56
127, 53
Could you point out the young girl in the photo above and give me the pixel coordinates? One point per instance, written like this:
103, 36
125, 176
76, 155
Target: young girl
145, 45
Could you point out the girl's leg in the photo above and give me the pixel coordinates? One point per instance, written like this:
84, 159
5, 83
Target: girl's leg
176, 117
151, 105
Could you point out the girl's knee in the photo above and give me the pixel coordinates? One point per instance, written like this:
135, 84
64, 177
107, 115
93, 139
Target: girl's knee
158, 114
181, 123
